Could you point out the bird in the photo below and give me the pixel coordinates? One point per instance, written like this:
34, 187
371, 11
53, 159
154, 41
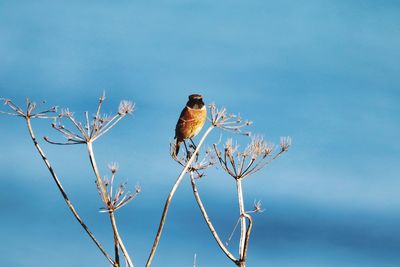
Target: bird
191, 121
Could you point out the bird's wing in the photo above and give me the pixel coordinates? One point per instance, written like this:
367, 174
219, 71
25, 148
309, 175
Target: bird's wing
184, 118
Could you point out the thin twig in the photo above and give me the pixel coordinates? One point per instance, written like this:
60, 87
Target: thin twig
87, 126
77, 125
68, 143
107, 127
255, 169
233, 232
97, 116
208, 221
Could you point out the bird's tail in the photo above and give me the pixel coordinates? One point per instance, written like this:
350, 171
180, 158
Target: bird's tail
177, 146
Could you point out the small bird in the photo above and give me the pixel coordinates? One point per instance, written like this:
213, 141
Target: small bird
190, 121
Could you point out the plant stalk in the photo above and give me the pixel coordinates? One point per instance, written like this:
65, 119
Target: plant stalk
208, 221
171, 194
63, 193
242, 223
103, 192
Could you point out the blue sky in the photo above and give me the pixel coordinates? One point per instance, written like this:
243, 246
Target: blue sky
323, 72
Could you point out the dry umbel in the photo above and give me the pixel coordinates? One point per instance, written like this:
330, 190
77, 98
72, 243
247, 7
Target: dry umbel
84, 133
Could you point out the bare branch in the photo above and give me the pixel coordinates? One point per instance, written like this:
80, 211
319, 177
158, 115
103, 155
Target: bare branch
69, 142
97, 116
208, 220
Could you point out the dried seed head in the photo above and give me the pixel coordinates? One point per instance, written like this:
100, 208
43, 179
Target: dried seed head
138, 188
230, 148
31, 106
256, 147
103, 96
104, 118
285, 143
113, 166
269, 148
125, 107
258, 144
106, 181
257, 207
66, 113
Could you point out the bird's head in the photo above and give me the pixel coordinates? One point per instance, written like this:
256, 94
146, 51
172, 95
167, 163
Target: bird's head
195, 101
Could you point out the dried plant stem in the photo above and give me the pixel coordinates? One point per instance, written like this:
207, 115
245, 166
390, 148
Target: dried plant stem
99, 181
64, 194
244, 230
171, 194
242, 219
208, 221
246, 240
117, 238
116, 234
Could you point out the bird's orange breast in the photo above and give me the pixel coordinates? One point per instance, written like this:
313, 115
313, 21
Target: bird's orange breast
190, 122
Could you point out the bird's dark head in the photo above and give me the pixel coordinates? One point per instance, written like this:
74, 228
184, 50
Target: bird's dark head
195, 101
